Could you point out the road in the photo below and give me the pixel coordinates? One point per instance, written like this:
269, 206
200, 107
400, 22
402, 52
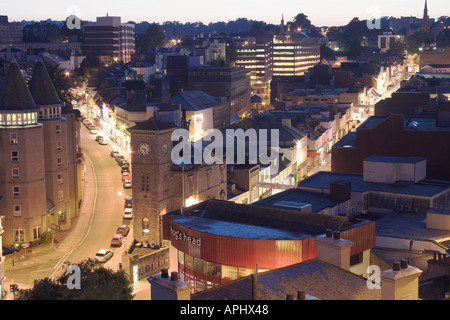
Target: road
98, 221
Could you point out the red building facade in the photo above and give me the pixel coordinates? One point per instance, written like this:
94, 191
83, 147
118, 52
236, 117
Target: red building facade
206, 259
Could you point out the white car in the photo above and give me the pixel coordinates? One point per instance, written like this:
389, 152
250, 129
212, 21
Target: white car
128, 213
104, 255
94, 131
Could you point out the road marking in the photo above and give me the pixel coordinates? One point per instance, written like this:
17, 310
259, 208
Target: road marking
64, 258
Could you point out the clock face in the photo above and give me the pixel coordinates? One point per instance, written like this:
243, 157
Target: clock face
144, 149
165, 147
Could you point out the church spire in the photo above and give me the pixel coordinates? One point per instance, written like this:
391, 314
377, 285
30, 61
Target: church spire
425, 21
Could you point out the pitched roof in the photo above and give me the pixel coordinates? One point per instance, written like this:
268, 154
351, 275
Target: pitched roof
41, 86
194, 100
152, 125
15, 94
315, 277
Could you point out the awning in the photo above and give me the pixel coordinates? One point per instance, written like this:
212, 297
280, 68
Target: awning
313, 154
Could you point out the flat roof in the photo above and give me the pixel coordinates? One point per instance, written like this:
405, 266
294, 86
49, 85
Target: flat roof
410, 123
287, 200
409, 226
323, 179
239, 230
395, 159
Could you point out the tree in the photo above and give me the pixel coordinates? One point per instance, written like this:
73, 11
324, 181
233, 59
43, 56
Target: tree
97, 283
62, 83
152, 38
302, 21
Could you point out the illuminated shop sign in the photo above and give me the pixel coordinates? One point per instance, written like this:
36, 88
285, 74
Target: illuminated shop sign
183, 236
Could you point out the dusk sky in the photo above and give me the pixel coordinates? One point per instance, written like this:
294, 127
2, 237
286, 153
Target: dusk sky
321, 13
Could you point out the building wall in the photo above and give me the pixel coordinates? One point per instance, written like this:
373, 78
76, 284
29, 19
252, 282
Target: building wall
32, 198
379, 141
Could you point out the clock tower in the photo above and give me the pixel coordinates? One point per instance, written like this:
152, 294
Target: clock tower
151, 163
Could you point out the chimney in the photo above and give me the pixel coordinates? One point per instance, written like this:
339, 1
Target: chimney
301, 295
164, 287
333, 250
401, 282
286, 122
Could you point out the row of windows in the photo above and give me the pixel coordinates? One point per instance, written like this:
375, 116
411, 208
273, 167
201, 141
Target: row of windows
59, 161
14, 137
18, 119
16, 190
19, 233
15, 175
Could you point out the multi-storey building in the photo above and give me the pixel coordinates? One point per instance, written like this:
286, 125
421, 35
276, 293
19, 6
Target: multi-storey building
231, 83
291, 55
109, 38
40, 172
10, 32
2, 261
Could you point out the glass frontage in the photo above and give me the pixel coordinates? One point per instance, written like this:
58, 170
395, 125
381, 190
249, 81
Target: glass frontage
203, 274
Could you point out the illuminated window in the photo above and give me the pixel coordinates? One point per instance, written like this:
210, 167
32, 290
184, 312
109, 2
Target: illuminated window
59, 162
58, 146
13, 137
19, 234
145, 227
61, 195
37, 231
60, 178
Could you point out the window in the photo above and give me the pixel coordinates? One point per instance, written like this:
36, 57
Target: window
19, 234
17, 210
59, 162
166, 182
199, 265
58, 129
60, 178
16, 192
145, 184
208, 179
14, 156
145, 227
37, 231
58, 146
14, 139
15, 174
61, 195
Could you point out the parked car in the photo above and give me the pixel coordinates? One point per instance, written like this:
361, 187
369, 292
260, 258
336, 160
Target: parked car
102, 142
103, 255
125, 168
114, 153
93, 130
128, 202
6, 251
123, 162
128, 213
123, 230
98, 137
127, 184
119, 158
125, 176
116, 240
